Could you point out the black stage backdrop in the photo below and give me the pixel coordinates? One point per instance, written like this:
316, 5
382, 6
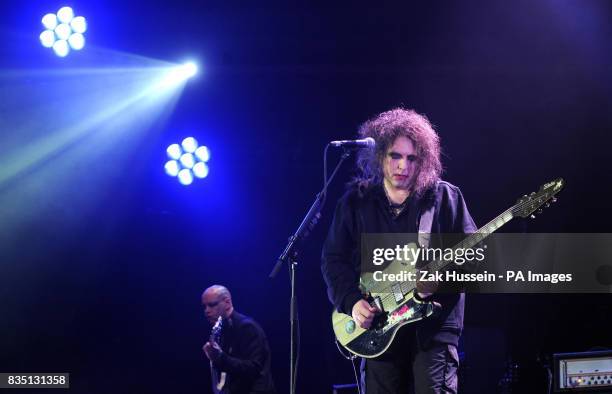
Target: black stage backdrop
520, 93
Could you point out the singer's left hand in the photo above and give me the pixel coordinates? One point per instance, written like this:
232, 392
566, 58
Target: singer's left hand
212, 350
425, 289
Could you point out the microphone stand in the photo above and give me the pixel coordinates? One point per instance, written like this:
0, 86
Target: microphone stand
289, 256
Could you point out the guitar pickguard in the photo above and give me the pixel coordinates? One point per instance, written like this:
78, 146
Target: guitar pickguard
376, 340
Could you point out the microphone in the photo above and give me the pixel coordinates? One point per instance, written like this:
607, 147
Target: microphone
364, 143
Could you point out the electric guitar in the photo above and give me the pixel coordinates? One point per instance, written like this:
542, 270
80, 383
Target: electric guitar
218, 379
396, 300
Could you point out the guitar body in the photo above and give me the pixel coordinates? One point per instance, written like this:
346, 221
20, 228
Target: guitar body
398, 309
376, 340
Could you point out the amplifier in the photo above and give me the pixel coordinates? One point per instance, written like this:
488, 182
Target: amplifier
580, 372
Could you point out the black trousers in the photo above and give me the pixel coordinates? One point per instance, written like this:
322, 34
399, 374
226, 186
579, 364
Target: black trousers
407, 367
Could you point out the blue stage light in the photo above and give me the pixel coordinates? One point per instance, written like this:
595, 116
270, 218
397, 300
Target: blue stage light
65, 14
172, 168
185, 177
49, 21
200, 170
189, 144
179, 74
202, 153
187, 161
47, 38
78, 25
76, 41
60, 48
189, 69
63, 31
174, 151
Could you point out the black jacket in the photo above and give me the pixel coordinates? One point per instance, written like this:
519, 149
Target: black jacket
245, 357
366, 211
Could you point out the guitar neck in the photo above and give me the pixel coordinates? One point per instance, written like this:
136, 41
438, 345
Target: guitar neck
468, 242
474, 238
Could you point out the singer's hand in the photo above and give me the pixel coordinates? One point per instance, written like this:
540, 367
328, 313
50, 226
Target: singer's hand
363, 313
212, 350
425, 289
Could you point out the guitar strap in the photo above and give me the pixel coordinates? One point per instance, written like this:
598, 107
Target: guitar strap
425, 223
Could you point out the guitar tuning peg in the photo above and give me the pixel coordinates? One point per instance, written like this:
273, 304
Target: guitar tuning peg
540, 210
547, 205
532, 216
554, 199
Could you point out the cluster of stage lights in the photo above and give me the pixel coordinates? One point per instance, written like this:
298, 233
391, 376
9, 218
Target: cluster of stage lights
187, 161
63, 31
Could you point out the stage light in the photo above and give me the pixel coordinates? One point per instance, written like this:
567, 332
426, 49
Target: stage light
78, 25
189, 144
61, 48
172, 168
189, 69
49, 21
76, 41
202, 153
174, 151
47, 38
187, 161
200, 170
65, 14
185, 177
63, 31
177, 75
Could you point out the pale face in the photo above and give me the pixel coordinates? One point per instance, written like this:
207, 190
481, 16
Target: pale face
215, 306
400, 164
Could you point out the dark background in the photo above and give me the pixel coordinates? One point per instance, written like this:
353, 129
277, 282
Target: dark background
520, 93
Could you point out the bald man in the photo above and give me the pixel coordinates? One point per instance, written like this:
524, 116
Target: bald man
243, 352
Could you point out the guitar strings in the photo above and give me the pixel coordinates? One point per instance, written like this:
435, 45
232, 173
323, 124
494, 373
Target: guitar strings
479, 231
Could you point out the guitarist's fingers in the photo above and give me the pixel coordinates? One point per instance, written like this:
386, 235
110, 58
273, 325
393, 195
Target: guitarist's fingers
365, 320
206, 349
363, 314
366, 323
367, 315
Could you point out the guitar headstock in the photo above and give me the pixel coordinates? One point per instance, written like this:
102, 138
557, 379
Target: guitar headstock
528, 204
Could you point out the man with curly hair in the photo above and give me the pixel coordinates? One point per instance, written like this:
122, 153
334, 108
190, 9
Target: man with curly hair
398, 182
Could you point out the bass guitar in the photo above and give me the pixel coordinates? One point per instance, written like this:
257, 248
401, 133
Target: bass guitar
218, 378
